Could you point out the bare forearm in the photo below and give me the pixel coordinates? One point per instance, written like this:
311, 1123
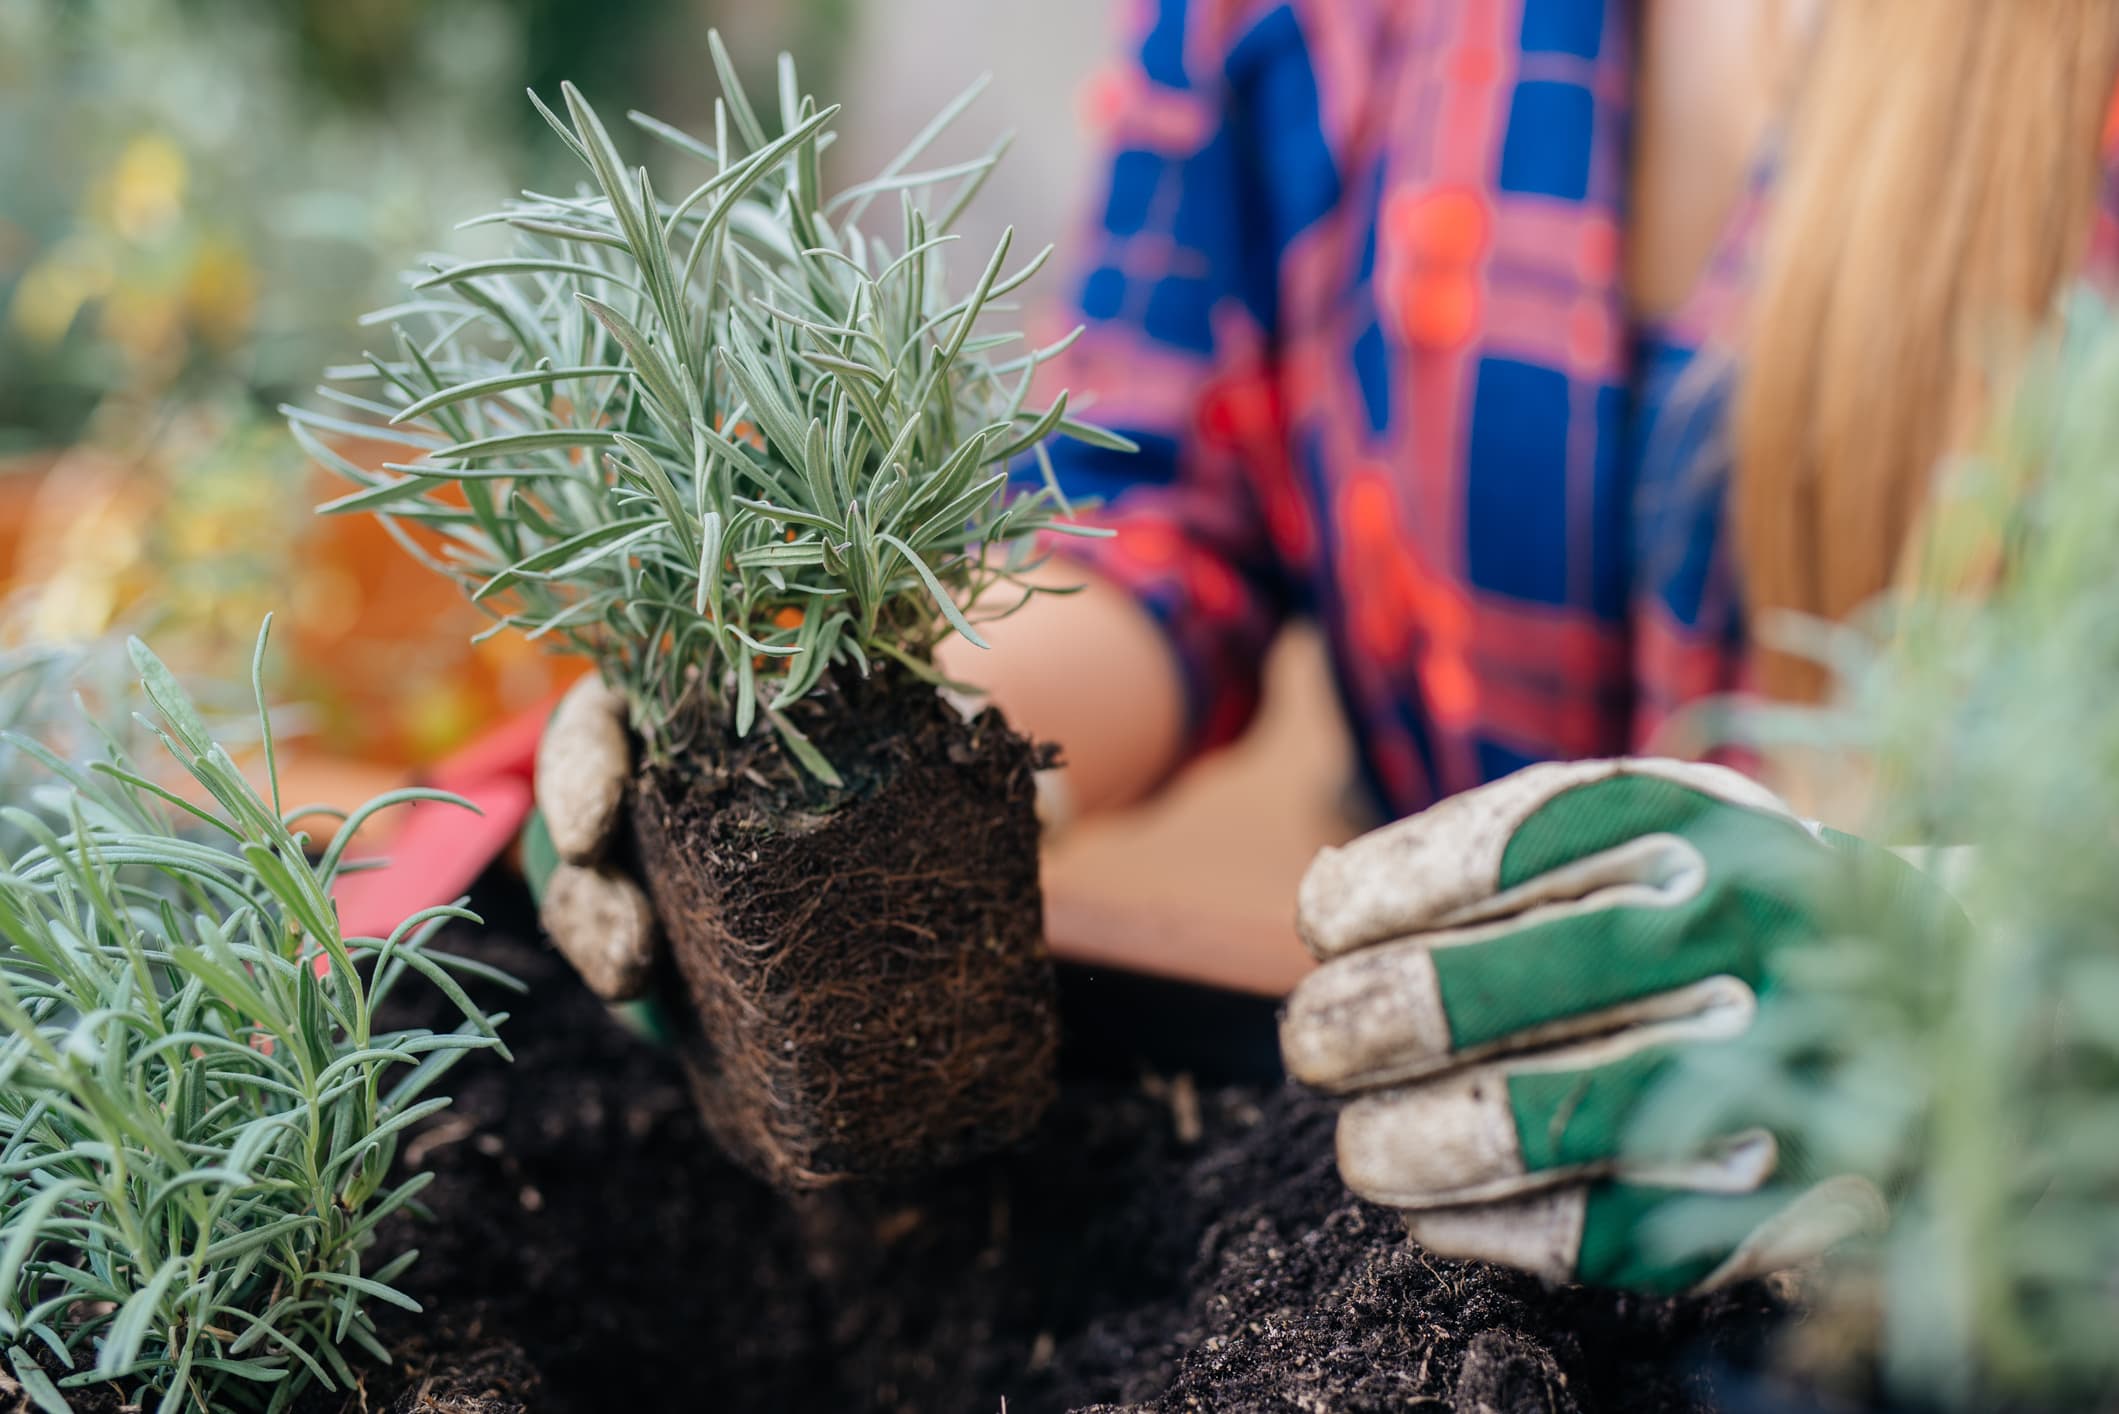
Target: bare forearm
1092, 672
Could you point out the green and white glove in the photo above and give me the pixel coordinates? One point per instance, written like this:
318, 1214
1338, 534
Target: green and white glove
1507, 975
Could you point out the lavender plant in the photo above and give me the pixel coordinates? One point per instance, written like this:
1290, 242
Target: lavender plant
198, 1111
1976, 1074
73, 697
725, 445
46, 692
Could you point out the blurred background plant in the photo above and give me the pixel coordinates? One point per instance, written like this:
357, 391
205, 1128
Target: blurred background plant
64, 697
1977, 1077
199, 200
200, 191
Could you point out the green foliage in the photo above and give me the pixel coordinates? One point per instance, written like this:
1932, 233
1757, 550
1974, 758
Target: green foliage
724, 445
198, 1115
1976, 1076
45, 694
74, 697
187, 211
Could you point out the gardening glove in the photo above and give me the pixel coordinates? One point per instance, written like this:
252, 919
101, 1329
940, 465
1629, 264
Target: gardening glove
1507, 975
596, 914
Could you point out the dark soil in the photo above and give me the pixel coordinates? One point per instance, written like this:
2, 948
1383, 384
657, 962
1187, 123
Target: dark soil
866, 964
447, 1366
1161, 1244
1158, 1245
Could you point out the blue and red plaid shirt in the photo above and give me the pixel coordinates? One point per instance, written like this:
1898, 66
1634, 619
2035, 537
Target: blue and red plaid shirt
1358, 294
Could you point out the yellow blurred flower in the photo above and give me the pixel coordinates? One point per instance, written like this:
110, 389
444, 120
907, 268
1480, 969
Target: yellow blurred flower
220, 292
438, 714
146, 321
162, 282
144, 193
51, 292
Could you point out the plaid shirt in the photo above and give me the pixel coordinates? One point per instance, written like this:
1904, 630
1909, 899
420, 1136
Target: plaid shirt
1358, 294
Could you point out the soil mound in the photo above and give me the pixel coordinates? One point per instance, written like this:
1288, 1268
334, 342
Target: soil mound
1158, 1245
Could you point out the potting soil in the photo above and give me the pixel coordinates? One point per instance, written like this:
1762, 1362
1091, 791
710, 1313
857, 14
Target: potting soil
1160, 1244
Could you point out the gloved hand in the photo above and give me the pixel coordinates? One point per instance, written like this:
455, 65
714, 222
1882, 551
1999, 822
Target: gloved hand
1508, 974
595, 913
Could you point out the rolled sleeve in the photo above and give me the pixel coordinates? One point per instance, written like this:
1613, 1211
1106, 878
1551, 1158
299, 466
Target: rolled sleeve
1178, 305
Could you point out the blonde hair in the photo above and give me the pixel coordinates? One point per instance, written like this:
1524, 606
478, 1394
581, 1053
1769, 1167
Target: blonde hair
1940, 185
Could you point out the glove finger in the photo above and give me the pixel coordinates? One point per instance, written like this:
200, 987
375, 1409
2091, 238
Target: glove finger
583, 761
1622, 954
1540, 1233
604, 925
1499, 1131
1446, 866
1817, 1220
1578, 969
1613, 1232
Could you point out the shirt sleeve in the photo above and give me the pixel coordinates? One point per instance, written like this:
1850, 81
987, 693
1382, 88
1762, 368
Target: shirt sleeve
1177, 303
2101, 268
